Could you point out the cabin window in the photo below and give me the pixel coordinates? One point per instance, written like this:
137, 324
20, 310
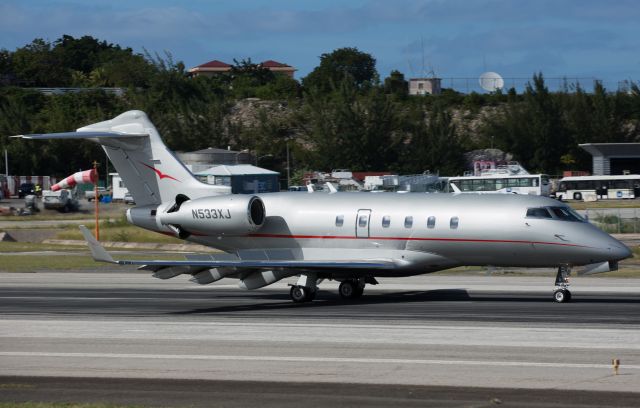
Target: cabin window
453, 223
431, 222
538, 213
362, 221
386, 221
408, 221
339, 220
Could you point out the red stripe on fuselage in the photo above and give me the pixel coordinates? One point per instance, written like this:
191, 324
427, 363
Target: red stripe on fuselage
490, 241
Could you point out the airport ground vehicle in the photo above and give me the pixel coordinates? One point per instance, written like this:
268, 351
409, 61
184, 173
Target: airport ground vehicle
349, 237
63, 200
606, 187
90, 194
535, 184
128, 198
26, 189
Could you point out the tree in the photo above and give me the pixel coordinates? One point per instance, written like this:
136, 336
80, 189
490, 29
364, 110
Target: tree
533, 129
359, 68
349, 130
395, 84
433, 145
35, 64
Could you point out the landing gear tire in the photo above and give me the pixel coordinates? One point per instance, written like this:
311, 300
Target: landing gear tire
300, 294
347, 289
562, 295
350, 289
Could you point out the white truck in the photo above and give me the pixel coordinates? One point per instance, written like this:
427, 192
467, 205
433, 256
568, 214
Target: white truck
63, 200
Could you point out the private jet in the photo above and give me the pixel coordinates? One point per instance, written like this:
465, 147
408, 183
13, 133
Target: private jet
352, 238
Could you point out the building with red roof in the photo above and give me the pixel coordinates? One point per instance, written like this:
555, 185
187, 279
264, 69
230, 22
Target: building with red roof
216, 67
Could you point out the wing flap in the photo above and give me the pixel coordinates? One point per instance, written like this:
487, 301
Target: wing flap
305, 264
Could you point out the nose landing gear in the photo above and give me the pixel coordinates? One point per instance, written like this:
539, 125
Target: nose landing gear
561, 293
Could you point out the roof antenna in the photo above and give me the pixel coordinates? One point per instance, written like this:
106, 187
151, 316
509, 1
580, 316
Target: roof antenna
422, 47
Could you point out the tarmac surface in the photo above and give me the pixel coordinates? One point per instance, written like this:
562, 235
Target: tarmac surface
438, 340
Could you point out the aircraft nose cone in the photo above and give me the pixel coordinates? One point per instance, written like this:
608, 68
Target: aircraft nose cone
621, 251
617, 250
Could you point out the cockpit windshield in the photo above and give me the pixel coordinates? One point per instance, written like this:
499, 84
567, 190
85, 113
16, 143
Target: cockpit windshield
566, 214
541, 212
558, 213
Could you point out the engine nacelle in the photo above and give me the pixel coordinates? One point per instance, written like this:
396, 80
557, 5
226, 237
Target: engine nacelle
263, 278
234, 214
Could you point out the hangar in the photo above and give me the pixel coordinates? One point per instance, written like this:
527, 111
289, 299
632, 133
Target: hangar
614, 158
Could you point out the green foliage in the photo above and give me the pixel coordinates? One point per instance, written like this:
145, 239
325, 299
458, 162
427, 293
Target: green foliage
352, 130
73, 61
543, 130
341, 117
433, 145
343, 64
396, 84
282, 87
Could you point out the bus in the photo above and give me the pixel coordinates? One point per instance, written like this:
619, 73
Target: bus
534, 184
607, 187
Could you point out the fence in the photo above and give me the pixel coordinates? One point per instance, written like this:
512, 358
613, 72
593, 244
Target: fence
615, 220
554, 84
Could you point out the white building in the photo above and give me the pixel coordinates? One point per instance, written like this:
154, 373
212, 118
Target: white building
118, 189
424, 86
242, 178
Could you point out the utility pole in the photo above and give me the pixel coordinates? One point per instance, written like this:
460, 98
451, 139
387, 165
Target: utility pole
95, 198
288, 168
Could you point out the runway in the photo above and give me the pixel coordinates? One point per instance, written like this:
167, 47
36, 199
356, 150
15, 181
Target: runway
430, 331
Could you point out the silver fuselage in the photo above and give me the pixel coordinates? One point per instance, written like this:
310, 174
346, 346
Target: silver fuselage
468, 230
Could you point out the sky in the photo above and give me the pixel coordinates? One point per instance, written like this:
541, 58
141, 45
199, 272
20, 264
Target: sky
451, 38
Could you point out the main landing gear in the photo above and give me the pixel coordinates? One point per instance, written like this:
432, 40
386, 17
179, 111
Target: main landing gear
300, 294
305, 289
351, 288
561, 293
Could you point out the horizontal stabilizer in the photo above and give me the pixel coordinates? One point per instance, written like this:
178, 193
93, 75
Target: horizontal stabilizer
98, 252
78, 135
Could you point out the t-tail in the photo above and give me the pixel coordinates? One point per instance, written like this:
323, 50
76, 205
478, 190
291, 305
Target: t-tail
151, 172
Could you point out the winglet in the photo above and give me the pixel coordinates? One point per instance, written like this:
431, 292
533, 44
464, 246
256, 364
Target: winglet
98, 252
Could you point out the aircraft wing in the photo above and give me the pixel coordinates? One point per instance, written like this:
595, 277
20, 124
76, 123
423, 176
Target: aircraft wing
254, 259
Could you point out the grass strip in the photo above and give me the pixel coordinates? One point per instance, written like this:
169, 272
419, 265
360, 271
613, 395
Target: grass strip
62, 405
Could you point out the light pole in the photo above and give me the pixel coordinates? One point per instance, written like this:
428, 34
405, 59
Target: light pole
244, 151
262, 157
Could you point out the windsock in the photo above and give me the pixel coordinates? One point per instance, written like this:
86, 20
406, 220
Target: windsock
81, 177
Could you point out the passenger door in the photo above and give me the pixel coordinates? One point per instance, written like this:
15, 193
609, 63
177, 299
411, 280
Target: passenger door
362, 223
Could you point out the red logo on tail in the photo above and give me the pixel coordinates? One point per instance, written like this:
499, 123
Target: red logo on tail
159, 173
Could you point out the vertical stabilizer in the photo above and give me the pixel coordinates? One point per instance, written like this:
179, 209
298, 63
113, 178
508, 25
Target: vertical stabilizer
152, 174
